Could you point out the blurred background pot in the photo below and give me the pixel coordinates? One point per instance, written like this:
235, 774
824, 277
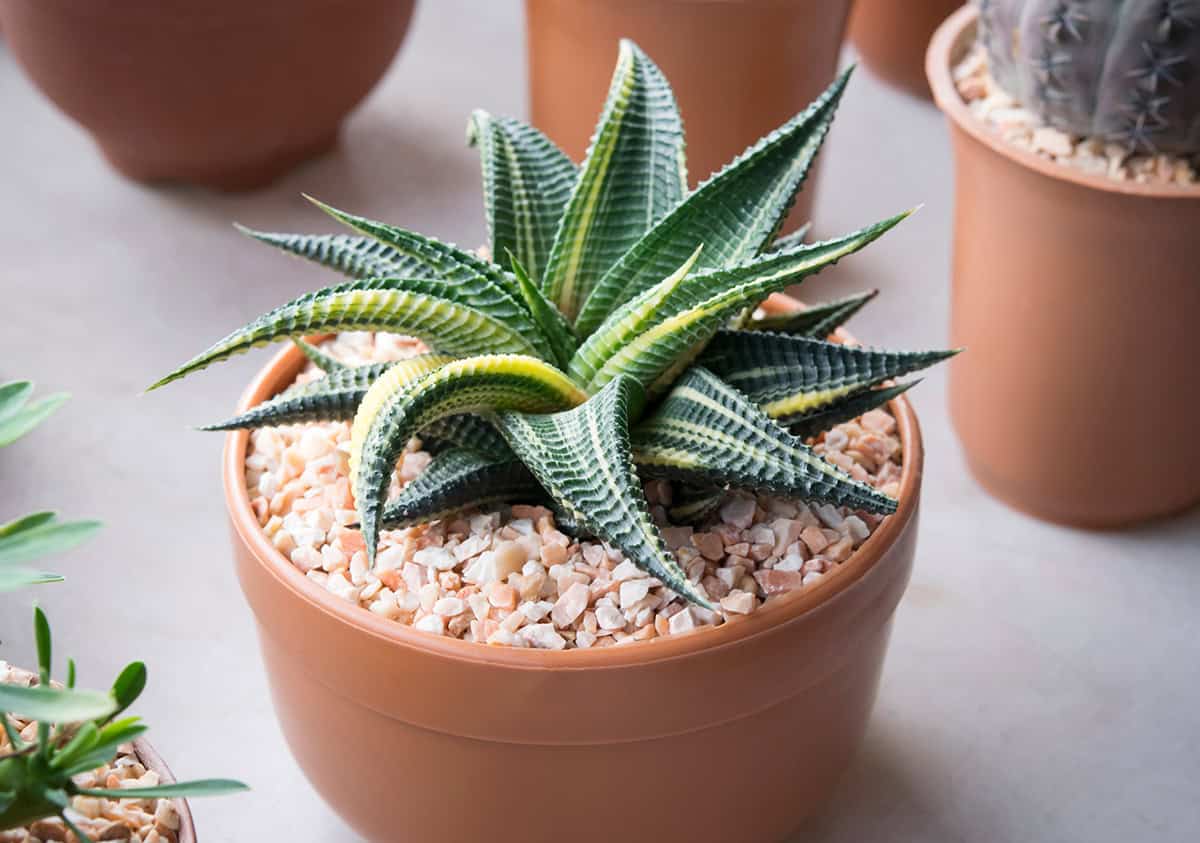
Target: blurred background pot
739, 68
1077, 298
891, 38
401, 729
221, 93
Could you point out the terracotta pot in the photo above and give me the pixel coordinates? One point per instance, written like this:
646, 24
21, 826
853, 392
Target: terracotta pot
447, 739
224, 93
891, 38
739, 68
151, 760
1077, 298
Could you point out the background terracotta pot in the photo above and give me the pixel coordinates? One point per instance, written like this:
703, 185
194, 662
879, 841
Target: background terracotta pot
399, 729
151, 760
221, 93
739, 68
1078, 301
891, 38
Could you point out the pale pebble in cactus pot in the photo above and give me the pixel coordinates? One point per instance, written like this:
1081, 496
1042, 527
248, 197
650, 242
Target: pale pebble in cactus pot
1076, 132
594, 506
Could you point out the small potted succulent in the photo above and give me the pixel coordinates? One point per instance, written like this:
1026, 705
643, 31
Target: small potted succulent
739, 68
588, 503
1076, 135
73, 768
891, 38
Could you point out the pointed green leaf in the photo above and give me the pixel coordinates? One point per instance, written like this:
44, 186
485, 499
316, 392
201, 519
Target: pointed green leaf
105, 747
54, 705
334, 397
400, 306
553, 324
691, 313
325, 362
13, 396
796, 238
355, 257
37, 536
396, 407
791, 377
457, 479
129, 686
179, 790
633, 174
465, 431
18, 422
693, 502
581, 457
526, 183
707, 432
12, 579
817, 321
735, 213
846, 409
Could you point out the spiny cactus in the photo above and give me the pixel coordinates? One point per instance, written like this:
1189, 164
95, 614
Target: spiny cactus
1126, 71
606, 342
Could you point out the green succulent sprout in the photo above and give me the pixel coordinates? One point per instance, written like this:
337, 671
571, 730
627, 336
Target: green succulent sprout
607, 340
77, 730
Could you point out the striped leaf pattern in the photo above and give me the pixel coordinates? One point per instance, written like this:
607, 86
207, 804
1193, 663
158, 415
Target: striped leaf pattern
396, 305
790, 241
632, 175
846, 409
791, 377
474, 433
691, 313
581, 457
321, 359
455, 480
553, 325
396, 407
526, 183
693, 503
355, 257
817, 321
707, 432
735, 213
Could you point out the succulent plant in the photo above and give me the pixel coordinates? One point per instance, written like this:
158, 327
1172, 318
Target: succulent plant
606, 342
77, 730
1126, 71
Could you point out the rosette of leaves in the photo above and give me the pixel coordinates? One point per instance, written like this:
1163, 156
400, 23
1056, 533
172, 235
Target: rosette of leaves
605, 342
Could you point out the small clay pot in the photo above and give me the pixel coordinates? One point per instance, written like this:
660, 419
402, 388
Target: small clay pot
1077, 299
221, 93
739, 68
151, 760
457, 741
891, 38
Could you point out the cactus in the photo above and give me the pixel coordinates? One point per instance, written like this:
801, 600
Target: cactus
1125, 71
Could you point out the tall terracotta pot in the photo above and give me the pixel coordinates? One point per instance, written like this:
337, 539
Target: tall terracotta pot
1078, 299
891, 38
221, 93
419, 737
739, 68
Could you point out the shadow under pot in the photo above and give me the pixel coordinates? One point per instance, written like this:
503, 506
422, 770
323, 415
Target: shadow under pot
1077, 296
891, 39
222, 94
738, 69
403, 729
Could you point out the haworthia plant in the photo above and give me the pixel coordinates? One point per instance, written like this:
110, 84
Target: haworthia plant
1125, 71
605, 342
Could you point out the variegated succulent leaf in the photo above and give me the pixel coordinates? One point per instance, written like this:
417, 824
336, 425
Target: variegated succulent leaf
707, 432
581, 457
694, 503
687, 318
347, 254
320, 358
458, 479
734, 213
791, 240
396, 407
632, 175
553, 325
846, 409
474, 433
402, 306
792, 376
817, 320
526, 183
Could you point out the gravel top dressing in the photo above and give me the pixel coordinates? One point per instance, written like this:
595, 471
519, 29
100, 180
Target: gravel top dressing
1022, 127
508, 576
131, 820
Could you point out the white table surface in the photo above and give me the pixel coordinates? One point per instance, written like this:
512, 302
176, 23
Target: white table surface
1043, 684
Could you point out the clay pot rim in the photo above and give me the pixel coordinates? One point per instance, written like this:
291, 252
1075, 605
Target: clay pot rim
151, 760
947, 45
282, 369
